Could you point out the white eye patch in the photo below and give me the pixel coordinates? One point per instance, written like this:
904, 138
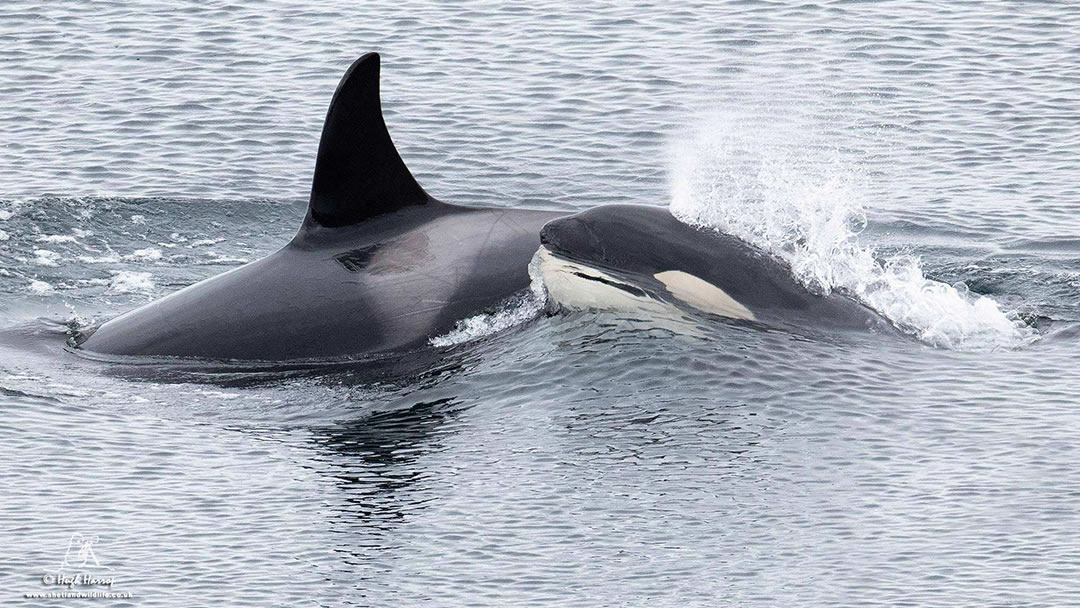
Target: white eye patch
703, 295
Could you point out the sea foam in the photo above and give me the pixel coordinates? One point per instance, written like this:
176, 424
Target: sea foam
511, 313
782, 192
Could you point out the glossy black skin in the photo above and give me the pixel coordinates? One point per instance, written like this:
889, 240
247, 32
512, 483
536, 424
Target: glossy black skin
358, 171
634, 242
388, 284
378, 266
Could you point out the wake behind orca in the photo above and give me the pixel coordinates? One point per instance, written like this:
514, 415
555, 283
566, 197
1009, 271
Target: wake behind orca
379, 266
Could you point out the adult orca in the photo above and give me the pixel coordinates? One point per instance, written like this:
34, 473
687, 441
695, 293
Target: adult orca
641, 259
378, 265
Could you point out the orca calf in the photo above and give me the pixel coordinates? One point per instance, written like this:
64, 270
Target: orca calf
641, 259
378, 265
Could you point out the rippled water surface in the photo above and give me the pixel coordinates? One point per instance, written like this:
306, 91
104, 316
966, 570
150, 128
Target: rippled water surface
921, 157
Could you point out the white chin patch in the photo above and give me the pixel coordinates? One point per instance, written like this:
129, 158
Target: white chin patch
578, 287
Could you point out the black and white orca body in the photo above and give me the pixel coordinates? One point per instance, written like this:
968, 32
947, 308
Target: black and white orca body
641, 259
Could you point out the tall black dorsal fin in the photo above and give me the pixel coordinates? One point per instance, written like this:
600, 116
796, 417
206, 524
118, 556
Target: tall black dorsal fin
358, 173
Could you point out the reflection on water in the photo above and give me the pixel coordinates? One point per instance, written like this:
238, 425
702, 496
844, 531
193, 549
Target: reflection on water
376, 459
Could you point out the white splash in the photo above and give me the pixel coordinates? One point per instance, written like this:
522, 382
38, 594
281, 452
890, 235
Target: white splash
40, 288
771, 185
10, 208
223, 259
205, 242
56, 238
109, 258
44, 257
512, 313
150, 254
125, 281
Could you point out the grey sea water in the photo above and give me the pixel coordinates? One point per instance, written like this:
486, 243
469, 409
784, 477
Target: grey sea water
919, 156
